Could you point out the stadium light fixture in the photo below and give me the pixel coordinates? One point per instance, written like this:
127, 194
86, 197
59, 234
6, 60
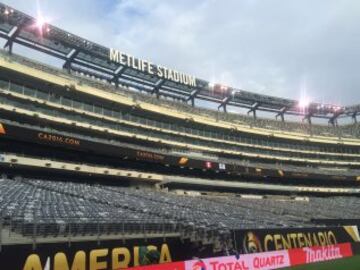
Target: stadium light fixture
304, 102
234, 92
40, 22
8, 11
223, 88
41, 25
337, 109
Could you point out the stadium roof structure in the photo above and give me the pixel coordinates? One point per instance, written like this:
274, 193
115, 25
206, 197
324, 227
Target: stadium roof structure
87, 57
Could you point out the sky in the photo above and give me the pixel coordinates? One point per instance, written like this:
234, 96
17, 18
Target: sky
275, 47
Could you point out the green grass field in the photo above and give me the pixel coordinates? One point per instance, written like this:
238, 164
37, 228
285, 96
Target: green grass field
352, 263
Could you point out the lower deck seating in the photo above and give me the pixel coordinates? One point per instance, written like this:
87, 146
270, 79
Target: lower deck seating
33, 206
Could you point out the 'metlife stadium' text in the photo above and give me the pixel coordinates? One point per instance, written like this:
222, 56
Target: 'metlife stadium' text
148, 67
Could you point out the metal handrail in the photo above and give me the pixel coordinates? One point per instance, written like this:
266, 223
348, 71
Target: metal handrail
73, 229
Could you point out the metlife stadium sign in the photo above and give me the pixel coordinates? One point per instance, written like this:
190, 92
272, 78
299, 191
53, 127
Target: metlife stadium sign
150, 68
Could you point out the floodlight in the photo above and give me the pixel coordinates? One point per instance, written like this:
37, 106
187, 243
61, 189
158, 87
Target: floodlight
223, 88
337, 108
304, 102
41, 25
40, 22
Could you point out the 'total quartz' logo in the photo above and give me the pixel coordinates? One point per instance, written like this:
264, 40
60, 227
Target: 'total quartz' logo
199, 265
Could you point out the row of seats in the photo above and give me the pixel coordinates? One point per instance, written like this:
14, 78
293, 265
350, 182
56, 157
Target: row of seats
43, 207
286, 168
112, 116
202, 144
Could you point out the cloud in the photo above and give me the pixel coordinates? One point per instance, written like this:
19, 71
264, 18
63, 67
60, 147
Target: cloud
269, 47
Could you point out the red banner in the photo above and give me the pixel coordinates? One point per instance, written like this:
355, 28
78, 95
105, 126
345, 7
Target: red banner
261, 261
319, 254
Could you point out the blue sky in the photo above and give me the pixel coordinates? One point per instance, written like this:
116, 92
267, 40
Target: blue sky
275, 47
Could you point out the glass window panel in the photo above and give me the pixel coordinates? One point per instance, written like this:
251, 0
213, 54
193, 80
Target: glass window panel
66, 101
98, 110
107, 112
54, 98
88, 107
77, 105
16, 88
4, 84
29, 92
116, 114
42, 95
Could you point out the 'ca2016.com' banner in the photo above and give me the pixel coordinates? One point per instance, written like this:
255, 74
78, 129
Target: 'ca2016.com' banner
259, 261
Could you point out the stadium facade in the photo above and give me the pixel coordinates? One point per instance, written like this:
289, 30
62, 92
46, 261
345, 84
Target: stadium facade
76, 142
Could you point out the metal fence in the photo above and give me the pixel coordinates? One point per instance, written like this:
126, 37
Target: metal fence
20, 230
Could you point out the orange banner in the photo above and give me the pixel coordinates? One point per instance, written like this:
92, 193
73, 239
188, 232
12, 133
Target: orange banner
2, 129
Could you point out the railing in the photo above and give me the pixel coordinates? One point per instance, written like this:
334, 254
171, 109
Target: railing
20, 230
17, 230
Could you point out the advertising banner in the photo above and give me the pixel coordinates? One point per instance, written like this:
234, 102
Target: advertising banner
260, 261
319, 254
2, 129
165, 266
116, 254
58, 139
253, 241
93, 255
